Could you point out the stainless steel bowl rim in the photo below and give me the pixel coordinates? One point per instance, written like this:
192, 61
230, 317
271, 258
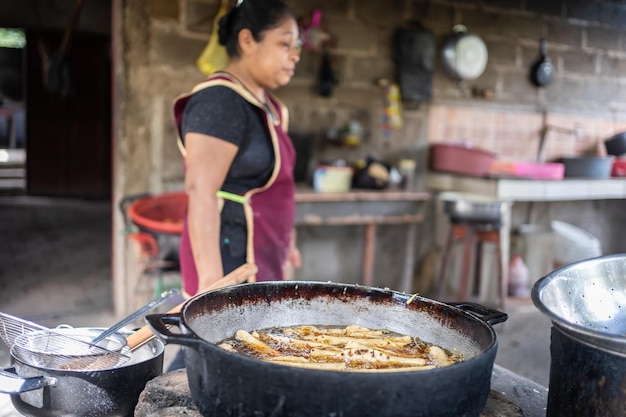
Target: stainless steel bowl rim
613, 343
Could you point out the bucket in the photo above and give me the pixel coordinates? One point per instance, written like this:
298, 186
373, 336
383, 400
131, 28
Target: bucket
161, 213
162, 216
573, 244
586, 302
332, 179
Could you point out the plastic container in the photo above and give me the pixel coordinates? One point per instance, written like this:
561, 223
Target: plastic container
532, 170
332, 179
619, 168
573, 244
535, 243
588, 166
461, 158
518, 278
407, 168
163, 213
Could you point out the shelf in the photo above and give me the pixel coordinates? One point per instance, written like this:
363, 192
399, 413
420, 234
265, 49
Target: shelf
514, 189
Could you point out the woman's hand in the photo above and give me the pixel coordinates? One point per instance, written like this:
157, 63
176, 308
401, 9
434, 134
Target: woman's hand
293, 257
293, 261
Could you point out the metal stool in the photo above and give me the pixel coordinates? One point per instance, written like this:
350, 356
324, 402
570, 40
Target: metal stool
476, 220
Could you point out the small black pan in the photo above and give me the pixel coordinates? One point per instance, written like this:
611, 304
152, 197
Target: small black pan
616, 145
542, 71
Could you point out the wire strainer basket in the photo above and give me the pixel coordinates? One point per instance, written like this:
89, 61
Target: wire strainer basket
60, 349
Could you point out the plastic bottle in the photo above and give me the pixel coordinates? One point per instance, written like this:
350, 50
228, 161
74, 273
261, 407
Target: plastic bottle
407, 171
518, 277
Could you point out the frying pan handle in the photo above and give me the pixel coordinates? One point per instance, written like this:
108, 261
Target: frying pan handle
12, 383
486, 314
237, 276
160, 325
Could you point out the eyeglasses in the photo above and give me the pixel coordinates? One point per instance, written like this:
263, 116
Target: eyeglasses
297, 47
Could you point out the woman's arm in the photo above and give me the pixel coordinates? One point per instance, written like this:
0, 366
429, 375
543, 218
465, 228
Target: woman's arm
207, 161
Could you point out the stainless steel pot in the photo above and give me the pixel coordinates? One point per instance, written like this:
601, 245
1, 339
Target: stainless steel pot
474, 207
113, 392
464, 54
224, 383
586, 302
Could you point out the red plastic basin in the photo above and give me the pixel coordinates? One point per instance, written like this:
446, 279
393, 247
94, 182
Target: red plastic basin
460, 158
162, 213
619, 168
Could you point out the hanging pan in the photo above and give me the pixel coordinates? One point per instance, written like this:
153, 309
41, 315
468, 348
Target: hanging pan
542, 71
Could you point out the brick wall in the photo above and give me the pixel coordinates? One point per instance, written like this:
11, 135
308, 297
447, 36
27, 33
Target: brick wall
160, 40
586, 43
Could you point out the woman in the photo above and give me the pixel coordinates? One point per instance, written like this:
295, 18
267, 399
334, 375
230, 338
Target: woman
239, 159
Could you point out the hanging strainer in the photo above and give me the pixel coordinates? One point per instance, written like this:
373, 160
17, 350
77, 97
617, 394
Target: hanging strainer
39, 346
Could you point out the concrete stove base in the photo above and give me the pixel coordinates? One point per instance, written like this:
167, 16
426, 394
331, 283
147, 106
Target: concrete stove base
511, 396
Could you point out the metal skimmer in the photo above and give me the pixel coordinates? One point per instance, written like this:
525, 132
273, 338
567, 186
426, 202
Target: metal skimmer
53, 349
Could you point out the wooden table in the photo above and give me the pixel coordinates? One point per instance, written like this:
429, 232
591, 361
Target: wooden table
369, 209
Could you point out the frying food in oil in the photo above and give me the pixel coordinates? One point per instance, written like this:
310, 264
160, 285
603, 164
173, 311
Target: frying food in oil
351, 348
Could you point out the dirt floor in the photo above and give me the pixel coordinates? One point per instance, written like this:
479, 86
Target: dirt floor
55, 267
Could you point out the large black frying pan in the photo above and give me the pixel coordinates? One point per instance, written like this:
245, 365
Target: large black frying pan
227, 384
542, 71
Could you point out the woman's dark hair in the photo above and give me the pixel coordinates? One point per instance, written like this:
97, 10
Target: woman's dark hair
254, 15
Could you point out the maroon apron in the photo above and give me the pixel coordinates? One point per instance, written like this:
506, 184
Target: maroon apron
269, 210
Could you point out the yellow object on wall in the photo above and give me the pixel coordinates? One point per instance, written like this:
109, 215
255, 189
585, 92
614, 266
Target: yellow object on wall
392, 109
394, 106
214, 56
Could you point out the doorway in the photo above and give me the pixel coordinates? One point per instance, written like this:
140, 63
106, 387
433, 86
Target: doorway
69, 127
12, 109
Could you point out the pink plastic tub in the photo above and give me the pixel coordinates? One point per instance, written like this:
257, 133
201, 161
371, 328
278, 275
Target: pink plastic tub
532, 170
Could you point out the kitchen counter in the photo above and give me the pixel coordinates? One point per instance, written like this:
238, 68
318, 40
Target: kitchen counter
511, 396
521, 189
370, 209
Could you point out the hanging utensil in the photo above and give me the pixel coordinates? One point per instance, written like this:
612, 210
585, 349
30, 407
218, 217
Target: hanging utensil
464, 54
313, 35
326, 76
542, 71
141, 312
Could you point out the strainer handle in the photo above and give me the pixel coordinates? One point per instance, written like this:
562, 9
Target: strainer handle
12, 383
